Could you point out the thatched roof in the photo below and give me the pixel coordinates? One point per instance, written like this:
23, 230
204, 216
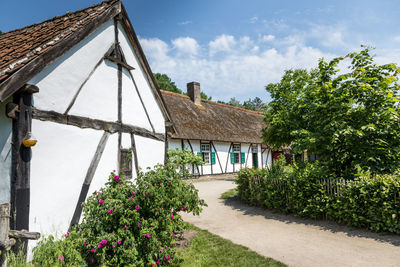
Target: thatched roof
212, 121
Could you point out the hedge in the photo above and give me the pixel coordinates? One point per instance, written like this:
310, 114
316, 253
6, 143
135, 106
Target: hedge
309, 190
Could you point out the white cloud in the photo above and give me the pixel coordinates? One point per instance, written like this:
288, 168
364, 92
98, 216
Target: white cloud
268, 38
243, 71
222, 43
186, 45
253, 19
186, 22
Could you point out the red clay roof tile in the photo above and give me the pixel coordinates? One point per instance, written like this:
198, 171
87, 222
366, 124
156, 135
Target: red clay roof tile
20, 46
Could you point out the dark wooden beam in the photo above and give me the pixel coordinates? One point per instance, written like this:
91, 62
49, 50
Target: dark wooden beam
20, 166
84, 122
119, 62
135, 157
31, 69
88, 178
191, 149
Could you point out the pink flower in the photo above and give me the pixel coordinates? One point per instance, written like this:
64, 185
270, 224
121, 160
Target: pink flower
158, 262
147, 194
92, 250
170, 182
185, 208
102, 243
84, 243
133, 245
119, 242
137, 207
60, 258
147, 236
110, 211
114, 170
67, 234
126, 227
153, 226
139, 224
133, 193
91, 260
132, 199
101, 201
172, 216
113, 246
173, 234
116, 178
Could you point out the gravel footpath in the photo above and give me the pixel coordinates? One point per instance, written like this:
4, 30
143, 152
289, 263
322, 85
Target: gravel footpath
291, 240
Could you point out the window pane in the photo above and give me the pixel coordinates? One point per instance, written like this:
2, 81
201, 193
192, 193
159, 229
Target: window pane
206, 157
236, 148
236, 156
205, 147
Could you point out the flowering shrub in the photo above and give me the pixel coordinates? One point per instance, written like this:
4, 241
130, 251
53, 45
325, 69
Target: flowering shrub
134, 224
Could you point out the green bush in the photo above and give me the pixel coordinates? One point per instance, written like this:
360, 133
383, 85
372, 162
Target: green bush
368, 201
127, 223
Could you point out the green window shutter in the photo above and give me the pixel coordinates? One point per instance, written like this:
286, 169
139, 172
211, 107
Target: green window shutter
212, 158
200, 155
242, 158
232, 158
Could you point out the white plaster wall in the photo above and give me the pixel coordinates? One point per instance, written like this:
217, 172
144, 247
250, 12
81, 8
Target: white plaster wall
59, 82
107, 164
174, 144
132, 109
5, 154
267, 158
149, 151
59, 164
98, 99
154, 110
224, 156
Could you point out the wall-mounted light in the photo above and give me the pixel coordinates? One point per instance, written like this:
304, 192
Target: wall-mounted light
29, 140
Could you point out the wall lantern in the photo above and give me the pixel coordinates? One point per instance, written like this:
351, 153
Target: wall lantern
29, 140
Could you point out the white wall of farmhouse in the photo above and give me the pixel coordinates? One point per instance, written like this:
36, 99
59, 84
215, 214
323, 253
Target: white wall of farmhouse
5, 154
222, 158
148, 97
63, 154
60, 81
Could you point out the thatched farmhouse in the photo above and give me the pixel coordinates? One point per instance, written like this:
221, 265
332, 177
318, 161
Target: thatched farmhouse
226, 137
79, 85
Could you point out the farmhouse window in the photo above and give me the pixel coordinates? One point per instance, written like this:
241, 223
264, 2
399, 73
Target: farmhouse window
205, 152
237, 156
126, 162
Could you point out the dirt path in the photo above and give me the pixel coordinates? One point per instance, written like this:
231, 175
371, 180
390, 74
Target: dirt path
294, 241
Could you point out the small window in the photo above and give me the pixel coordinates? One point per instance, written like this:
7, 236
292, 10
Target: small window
236, 153
254, 149
205, 152
125, 162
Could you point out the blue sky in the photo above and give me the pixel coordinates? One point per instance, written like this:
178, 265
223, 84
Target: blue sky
234, 48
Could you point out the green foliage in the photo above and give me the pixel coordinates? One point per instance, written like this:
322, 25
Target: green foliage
183, 159
369, 201
128, 224
350, 120
255, 104
229, 194
165, 83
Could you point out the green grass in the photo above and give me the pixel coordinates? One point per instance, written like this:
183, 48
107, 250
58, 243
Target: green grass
229, 194
207, 249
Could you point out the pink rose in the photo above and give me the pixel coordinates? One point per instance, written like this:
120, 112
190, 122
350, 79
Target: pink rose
116, 178
119, 242
101, 201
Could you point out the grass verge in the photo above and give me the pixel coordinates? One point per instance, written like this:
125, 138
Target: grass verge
208, 249
229, 194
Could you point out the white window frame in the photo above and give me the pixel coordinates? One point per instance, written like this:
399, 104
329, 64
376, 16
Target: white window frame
236, 149
205, 149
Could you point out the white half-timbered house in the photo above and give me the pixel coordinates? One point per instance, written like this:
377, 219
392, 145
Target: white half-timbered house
81, 86
227, 138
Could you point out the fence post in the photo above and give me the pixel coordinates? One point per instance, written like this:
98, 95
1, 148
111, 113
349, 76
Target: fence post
4, 227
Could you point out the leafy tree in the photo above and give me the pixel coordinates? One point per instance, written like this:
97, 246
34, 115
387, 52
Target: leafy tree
165, 83
255, 104
350, 120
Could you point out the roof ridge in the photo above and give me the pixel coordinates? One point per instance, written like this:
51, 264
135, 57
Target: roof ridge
212, 102
59, 16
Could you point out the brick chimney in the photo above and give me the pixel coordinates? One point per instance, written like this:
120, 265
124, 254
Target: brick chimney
193, 91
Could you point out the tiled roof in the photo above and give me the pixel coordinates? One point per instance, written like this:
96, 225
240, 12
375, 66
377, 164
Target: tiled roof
212, 121
21, 46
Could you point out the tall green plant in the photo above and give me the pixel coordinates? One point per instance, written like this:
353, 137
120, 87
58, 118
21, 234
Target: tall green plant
349, 119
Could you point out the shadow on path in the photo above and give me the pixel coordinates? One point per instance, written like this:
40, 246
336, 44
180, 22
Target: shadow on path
237, 204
